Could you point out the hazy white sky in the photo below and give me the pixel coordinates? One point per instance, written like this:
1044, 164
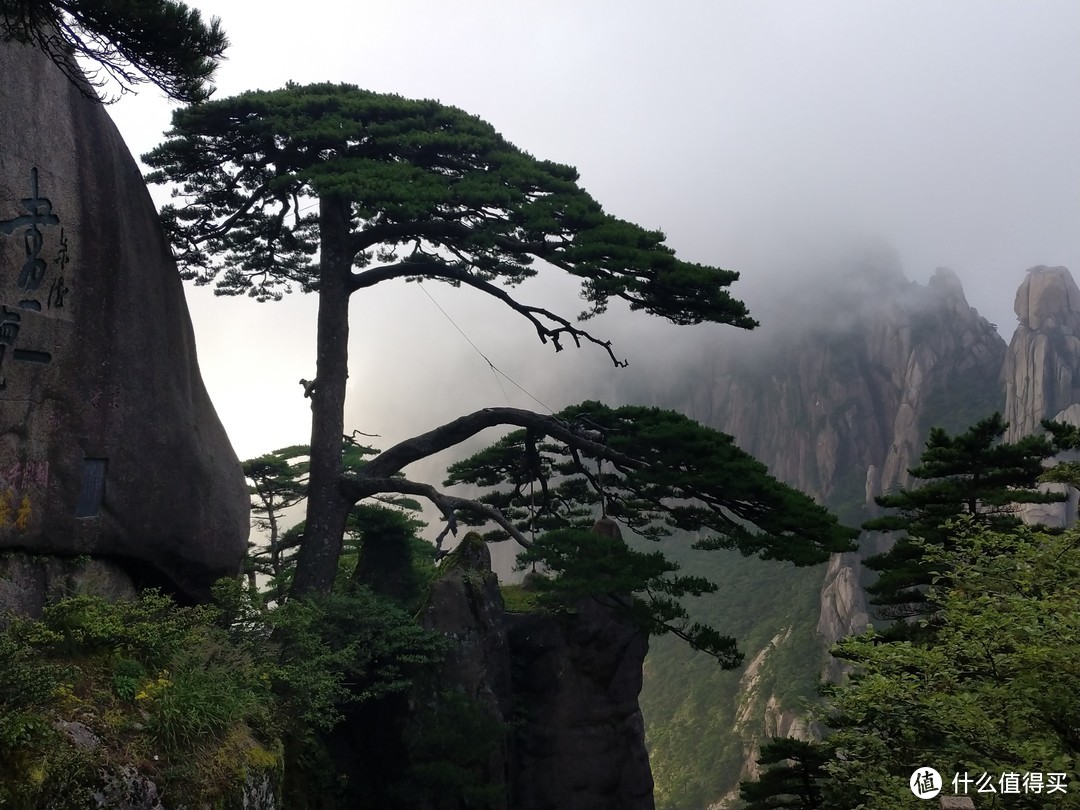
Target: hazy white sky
753, 133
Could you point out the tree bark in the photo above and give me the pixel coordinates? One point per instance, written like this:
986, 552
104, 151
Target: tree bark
327, 508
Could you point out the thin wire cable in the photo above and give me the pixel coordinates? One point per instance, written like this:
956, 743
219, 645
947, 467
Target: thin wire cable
490, 364
495, 369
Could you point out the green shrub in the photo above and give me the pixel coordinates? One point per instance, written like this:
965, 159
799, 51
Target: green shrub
128, 675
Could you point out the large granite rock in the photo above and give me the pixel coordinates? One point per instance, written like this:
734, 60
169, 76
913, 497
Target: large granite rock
565, 689
582, 743
109, 445
1042, 367
465, 605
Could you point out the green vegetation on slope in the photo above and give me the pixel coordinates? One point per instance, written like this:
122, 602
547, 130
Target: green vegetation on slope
991, 691
689, 703
199, 700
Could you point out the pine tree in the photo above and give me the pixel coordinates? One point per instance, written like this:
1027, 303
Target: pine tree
794, 780
335, 189
674, 475
973, 473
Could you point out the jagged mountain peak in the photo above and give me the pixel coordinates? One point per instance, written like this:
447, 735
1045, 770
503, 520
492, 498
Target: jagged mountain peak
843, 379
945, 285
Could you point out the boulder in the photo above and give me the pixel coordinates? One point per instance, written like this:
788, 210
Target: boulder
565, 685
466, 606
109, 444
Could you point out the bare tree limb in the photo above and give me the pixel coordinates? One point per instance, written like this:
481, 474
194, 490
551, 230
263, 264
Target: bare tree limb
376, 476
363, 486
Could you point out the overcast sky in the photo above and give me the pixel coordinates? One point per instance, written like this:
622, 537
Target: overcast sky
753, 133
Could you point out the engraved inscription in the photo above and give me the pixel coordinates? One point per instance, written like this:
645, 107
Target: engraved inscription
38, 214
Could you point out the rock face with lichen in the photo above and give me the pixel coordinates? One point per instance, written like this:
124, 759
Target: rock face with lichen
582, 744
465, 605
109, 445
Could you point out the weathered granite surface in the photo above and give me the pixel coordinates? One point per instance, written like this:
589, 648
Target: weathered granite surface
465, 605
836, 396
109, 444
30, 581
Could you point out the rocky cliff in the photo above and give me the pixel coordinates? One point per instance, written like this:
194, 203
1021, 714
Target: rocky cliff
109, 445
564, 689
836, 402
1042, 367
1042, 371
837, 399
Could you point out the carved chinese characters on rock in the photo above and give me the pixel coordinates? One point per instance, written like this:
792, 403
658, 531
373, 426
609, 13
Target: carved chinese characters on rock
40, 287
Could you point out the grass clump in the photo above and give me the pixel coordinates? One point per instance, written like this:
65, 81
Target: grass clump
519, 599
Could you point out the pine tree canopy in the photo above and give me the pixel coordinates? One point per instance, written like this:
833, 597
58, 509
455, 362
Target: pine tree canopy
432, 192
794, 778
334, 189
132, 42
993, 690
654, 472
666, 472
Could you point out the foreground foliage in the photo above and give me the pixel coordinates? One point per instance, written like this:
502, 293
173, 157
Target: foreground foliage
987, 698
198, 699
992, 692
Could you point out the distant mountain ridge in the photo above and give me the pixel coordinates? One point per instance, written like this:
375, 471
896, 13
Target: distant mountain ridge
837, 399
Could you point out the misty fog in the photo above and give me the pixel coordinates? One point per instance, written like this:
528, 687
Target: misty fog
776, 139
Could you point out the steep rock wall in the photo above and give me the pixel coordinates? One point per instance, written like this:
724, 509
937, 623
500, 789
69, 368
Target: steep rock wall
1042, 368
839, 406
1042, 372
109, 444
582, 746
566, 689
